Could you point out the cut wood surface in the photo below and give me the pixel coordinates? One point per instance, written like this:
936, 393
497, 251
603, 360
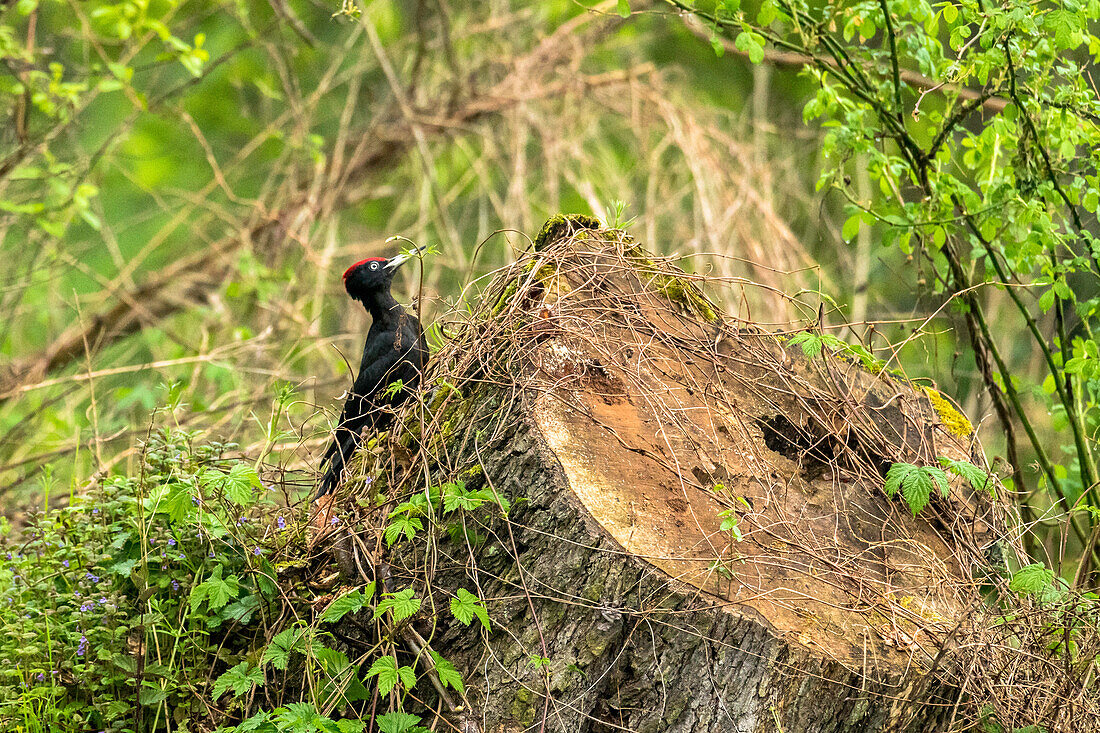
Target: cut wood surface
625, 419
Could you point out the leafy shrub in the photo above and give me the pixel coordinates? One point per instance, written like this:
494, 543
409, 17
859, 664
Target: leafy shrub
115, 610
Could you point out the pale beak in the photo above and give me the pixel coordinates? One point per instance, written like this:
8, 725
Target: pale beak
394, 262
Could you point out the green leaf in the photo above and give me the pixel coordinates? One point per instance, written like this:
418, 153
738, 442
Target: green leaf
851, 227
917, 490
398, 722
811, 343
123, 567
404, 524
215, 590
352, 602
402, 604
1031, 579
979, 479
767, 13
448, 675
283, 645
465, 605
915, 484
239, 483
387, 672
253, 723
624, 8
751, 44
950, 13
239, 679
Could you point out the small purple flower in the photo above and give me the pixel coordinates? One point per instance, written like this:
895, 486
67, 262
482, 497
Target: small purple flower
87, 606
175, 585
281, 522
76, 594
101, 601
65, 563
90, 576
195, 500
171, 542
9, 556
163, 567
211, 553
95, 511
82, 647
334, 521
257, 551
41, 676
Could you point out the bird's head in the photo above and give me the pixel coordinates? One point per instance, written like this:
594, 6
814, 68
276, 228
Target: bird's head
372, 275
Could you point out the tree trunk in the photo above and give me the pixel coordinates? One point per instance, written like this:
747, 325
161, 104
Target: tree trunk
696, 536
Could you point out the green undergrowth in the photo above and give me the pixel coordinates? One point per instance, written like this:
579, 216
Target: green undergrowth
179, 599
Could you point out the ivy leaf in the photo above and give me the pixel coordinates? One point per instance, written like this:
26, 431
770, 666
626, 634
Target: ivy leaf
1031, 579
240, 679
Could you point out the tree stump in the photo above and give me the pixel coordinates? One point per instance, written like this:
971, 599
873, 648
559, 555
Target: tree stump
696, 536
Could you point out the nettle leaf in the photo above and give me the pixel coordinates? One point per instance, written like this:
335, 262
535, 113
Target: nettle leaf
398, 722
915, 483
1031, 579
301, 716
402, 604
389, 674
448, 675
239, 482
215, 590
406, 525
811, 343
239, 679
254, 723
177, 504
283, 645
465, 605
352, 602
981, 480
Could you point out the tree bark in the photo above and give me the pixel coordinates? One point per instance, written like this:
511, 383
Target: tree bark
695, 536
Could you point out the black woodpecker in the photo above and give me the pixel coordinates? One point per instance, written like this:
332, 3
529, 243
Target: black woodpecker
395, 351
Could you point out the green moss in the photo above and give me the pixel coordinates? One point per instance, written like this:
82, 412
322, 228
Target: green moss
677, 289
562, 225
522, 709
505, 298
955, 422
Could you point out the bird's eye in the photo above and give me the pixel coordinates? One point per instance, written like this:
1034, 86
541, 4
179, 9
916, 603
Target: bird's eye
374, 265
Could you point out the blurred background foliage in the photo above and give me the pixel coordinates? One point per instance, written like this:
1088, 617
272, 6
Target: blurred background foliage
183, 181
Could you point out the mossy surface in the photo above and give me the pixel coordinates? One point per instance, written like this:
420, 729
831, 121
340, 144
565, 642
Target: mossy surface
955, 422
679, 290
562, 225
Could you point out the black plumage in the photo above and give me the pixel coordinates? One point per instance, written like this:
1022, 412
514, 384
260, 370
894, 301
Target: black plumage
395, 350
